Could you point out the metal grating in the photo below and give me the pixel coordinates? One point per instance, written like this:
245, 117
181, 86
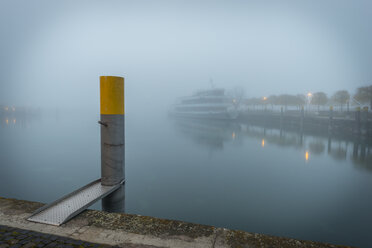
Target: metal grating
62, 210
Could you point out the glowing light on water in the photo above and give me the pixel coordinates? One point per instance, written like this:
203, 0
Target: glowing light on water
7, 121
233, 135
307, 156
263, 143
14, 121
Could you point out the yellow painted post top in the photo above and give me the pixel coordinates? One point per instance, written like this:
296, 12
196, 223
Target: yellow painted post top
112, 95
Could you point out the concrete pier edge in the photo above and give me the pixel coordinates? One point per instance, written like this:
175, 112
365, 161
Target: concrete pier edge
128, 230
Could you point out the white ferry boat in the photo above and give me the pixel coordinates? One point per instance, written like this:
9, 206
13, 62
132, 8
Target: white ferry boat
212, 104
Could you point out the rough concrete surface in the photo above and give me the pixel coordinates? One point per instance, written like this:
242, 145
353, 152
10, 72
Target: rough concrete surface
126, 230
21, 238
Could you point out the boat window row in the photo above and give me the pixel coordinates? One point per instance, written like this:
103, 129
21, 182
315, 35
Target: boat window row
212, 92
200, 108
206, 100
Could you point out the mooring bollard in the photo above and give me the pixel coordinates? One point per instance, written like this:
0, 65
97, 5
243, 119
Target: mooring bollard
330, 123
281, 117
112, 130
364, 121
302, 118
357, 121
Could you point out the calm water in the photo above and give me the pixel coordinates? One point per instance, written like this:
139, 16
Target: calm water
224, 174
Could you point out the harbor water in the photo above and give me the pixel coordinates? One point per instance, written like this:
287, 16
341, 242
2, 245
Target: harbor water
222, 173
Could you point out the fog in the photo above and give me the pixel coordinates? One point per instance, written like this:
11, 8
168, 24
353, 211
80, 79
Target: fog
272, 170
53, 52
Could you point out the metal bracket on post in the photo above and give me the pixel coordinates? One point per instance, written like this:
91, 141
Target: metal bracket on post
102, 123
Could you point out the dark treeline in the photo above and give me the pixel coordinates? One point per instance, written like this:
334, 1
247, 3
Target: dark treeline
340, 98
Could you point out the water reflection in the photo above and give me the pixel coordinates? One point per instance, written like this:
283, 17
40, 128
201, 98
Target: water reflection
212, 134
362, 155
317, 147
11, 116
338, 150
258, 178
307, 156
115, 202
217, 134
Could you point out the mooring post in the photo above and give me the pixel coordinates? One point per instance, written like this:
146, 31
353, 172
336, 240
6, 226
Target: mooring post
357, 121
364, 124
112, 130
302, 118
330, 124
281, 117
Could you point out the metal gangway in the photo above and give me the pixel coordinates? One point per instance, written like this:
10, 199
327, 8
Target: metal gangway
112, 159
67, 207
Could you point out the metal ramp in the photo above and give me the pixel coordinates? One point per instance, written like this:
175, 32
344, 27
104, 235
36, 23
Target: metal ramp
60, 211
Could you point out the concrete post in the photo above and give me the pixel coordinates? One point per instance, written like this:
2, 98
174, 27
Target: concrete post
330, 124
357, 121
364, 121
281, 117
112, 130
302, 118
115, 202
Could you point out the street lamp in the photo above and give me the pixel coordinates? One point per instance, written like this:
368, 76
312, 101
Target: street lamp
264, 99
309, 95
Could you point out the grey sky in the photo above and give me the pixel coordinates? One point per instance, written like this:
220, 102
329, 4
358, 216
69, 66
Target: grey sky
53, 52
